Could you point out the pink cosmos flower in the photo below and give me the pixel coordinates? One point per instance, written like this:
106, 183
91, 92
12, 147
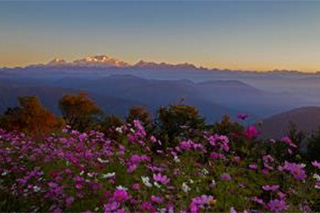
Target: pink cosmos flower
163, 179
225, 176
200, 202
140, 131
233, 210
253, 166
69, 201
295, 169
316, 164
251, 132
136, 186
120, 195
147, 207
243, 116
111, 206
288, 141
215, 155
258, 200
277, 205
282, 196
271, 187
156, 199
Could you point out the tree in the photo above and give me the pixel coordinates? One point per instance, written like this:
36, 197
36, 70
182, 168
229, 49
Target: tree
296, 136
313, 146
79, 111
226, 126
109, 124
179, 121
31, 117
2, 121
140, 113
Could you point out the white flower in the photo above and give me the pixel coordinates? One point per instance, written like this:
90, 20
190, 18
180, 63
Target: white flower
191, 181
81, 173
303, 165
157, 185
146, 181
102, 161
232, 210
90, 174
316, 176
108, 175
213, 184
122, 188
205, 171
4, 173
119, 129
176, 159
185, 188
36, 188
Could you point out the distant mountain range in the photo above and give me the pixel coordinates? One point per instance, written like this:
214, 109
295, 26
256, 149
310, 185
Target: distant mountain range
306, 119
105, 61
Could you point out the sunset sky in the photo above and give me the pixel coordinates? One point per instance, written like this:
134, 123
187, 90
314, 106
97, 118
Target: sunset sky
246, 35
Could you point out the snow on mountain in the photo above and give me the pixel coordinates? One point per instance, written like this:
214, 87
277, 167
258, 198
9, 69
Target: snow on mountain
104, 61
57, 62
100, 61
90, 61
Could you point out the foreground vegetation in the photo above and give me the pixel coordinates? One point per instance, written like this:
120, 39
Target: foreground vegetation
174, 163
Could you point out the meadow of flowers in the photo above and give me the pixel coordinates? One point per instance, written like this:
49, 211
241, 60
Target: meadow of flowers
133, 172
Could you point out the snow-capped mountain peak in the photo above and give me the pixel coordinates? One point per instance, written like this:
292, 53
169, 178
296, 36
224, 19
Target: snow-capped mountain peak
56, 62
104, 61
100, 61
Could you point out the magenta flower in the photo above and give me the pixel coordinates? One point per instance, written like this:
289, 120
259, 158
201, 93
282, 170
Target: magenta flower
281, 195
251, 132
243, 116
69, 201
140, 131
295, 169
225, 176
136, 186
258, 200
200, 202
316, 164
111, 206
120, 195
288, 141
147, 207
215, 155
253, 166
271, 187
156, 199
163, 179
277, 205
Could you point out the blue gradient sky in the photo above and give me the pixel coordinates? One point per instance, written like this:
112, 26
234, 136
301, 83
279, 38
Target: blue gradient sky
250, 35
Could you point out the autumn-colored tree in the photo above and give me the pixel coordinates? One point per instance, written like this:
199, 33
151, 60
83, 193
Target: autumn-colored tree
179, 121
31, 117
79, 111
142, 114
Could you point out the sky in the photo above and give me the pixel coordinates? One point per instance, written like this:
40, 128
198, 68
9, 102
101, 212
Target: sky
245, 35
